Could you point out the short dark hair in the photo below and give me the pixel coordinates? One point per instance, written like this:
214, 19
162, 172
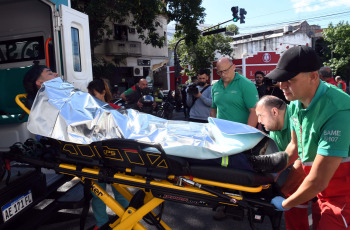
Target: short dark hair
31, 77
326, 72
204, 71
273, 101
259, 72
99, 85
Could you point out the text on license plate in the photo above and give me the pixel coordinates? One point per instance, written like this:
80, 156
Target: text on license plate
14, 207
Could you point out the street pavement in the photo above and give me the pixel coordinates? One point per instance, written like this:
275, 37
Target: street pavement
175, 215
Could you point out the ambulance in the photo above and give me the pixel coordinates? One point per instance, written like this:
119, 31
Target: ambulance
41, 32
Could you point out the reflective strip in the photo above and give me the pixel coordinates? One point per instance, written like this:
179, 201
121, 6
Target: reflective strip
344, 160
345, 223
224, 161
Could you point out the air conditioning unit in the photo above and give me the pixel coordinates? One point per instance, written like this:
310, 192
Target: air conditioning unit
138, 71
132, 30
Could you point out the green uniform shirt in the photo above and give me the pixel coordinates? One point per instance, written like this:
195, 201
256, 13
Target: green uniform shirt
282, 138
324, 127
130, 90
234, 101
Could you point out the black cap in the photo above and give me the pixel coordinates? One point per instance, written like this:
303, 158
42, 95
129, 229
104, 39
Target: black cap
298, 59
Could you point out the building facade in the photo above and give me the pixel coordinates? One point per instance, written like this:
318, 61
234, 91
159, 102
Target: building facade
135, 59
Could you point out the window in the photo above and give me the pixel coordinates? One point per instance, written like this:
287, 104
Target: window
24, 49
76, 50
121, 32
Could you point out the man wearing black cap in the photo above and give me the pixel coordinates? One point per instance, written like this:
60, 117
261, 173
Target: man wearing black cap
33, 80
320, 139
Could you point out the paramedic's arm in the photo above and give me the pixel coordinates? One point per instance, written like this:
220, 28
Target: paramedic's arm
296, 174
295, 178
322, 170
213, 112
123, 96
252, 119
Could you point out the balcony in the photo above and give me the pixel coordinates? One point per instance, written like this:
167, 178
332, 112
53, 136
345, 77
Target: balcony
123, 48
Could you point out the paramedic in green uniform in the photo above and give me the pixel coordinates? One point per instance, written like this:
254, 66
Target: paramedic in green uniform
234, 96
320, 137
274, 114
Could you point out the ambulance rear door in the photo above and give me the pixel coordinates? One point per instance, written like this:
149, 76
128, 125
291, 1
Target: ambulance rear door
76, 50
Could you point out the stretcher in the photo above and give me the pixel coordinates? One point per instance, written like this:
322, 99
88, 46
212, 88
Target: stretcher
158, 177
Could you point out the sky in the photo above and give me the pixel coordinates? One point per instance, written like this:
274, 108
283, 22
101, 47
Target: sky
268, 14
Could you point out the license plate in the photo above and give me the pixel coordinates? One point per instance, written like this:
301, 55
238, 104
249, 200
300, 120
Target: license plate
16, 206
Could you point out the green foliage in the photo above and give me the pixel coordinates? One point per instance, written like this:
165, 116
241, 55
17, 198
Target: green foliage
232, 29
338, 38
201, 54
144, 17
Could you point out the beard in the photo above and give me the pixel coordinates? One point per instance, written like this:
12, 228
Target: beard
201, 83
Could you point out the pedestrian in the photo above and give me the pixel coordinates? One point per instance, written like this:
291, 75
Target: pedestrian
199, 99
340, 83
259, 83
326, 75
99, 88
320, 138
184, 104
234, 96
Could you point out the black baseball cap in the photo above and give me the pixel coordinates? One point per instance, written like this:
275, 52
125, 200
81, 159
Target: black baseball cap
298, 59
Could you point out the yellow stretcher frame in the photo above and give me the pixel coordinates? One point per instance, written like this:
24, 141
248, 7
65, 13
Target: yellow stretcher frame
18, 99
129, 218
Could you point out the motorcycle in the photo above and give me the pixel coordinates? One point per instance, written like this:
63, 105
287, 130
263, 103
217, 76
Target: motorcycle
165, 109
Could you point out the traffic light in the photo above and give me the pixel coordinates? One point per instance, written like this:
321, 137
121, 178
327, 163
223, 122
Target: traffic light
242, 14
234, 10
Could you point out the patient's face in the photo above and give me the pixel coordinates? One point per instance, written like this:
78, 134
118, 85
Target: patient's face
46, 75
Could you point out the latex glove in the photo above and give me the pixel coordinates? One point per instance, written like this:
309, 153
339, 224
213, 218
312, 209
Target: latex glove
277, 202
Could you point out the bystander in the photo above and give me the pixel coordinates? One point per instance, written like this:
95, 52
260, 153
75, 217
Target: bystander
199, 98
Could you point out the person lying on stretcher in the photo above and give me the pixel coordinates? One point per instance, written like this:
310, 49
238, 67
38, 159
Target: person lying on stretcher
61, 112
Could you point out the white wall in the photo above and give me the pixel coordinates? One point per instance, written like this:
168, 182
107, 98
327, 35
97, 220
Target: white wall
277, 43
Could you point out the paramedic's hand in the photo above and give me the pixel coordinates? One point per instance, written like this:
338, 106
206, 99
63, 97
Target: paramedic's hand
277, 202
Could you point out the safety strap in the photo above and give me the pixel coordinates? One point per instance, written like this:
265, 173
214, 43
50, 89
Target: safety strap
224, 161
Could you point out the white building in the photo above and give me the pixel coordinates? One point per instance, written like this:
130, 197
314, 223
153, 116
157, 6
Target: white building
277, 40
136, 59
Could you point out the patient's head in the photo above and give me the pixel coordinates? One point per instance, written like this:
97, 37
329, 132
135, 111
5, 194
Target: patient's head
99, 88
35, 77
270, 111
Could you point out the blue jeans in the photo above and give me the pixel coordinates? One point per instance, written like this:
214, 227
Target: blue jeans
99, 208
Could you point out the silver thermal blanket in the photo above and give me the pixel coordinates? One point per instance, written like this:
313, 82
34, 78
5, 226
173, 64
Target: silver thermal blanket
64, 113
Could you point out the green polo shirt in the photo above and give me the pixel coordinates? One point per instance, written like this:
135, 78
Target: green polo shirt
324, 127
282, 138
234, 101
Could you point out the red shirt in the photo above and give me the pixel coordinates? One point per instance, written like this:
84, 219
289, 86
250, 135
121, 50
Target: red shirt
343, 86
114, 106
332, 82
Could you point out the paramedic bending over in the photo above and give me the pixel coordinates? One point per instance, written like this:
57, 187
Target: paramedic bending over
320, 138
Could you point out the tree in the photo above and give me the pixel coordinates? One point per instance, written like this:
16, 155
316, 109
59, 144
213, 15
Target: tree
144, 14
233, 29
338, 38
201, 54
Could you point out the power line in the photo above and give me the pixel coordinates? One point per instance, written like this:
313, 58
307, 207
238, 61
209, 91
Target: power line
286, 22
